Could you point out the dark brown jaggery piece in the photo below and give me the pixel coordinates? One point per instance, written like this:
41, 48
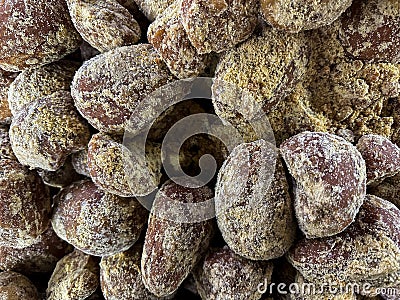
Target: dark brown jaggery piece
153, 8
45, 133
389, 189
169, 38
79, 162
34, 33
33, 84
108, 88
299, 15
6, 79
218, 25
6, 151
222, 274
15, 286
107, 164
96, 222
171, 248
25, 205
367, 252
253, 205
105, 25
330, 177
75, 277
370, 30
40, 257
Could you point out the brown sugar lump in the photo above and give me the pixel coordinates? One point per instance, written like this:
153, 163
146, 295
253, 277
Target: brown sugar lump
40, 257
6, 79
367, 252
75, 277
153, 8
172, 248
169, 38
298, 15
25, 205
122, 172
108, 88
15, 286
218, 25
33, 84
381, 156
330, 176
370, 30
96, 222
267, 67
121, 278
105, 25
251, 192
79, 162
389, 189
222, 274
5, 144
34, 33
44, 134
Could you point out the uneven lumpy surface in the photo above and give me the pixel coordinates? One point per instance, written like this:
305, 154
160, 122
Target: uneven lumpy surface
298, 15
108, 88
5, 144
153, 8
41, 30
330, 176
6, 79
14, 286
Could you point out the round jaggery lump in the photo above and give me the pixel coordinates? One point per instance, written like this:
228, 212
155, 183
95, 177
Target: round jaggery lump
14, 286
25, 205
153, 8
34, 33
96, 222
105, 25
107, 88
298, 15
79, 162
45, 133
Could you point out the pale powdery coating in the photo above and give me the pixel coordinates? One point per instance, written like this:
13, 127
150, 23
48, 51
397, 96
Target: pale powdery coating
107, 164
224, 275
330, 177
62, 177
153, 8
367, 252
370, 30
218, 25
5, 144
33, 84
96, 222
39, 257
389, 189
25, 205
381, 156
6, 78
253, 205
41, 30
267, 66
108, 88
44, 134
169, 38
172, 249
298, 15
105, 24
79, 162
75, 277
15, 286
121, 278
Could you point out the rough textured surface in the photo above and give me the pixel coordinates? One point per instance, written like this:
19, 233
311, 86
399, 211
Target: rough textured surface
330, 177
5, 144
368, 251
107, 88
33, 84
79, 162
153, 8
381, 156
41, 30
253, 205
96, 222
25, 205
218, 25
169, 38
75, 277
14, 286
44, 134
298, 15
108, 169
172, 249
389, 189
6, 78
224, 275
37, 258
370, 30
105, 25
